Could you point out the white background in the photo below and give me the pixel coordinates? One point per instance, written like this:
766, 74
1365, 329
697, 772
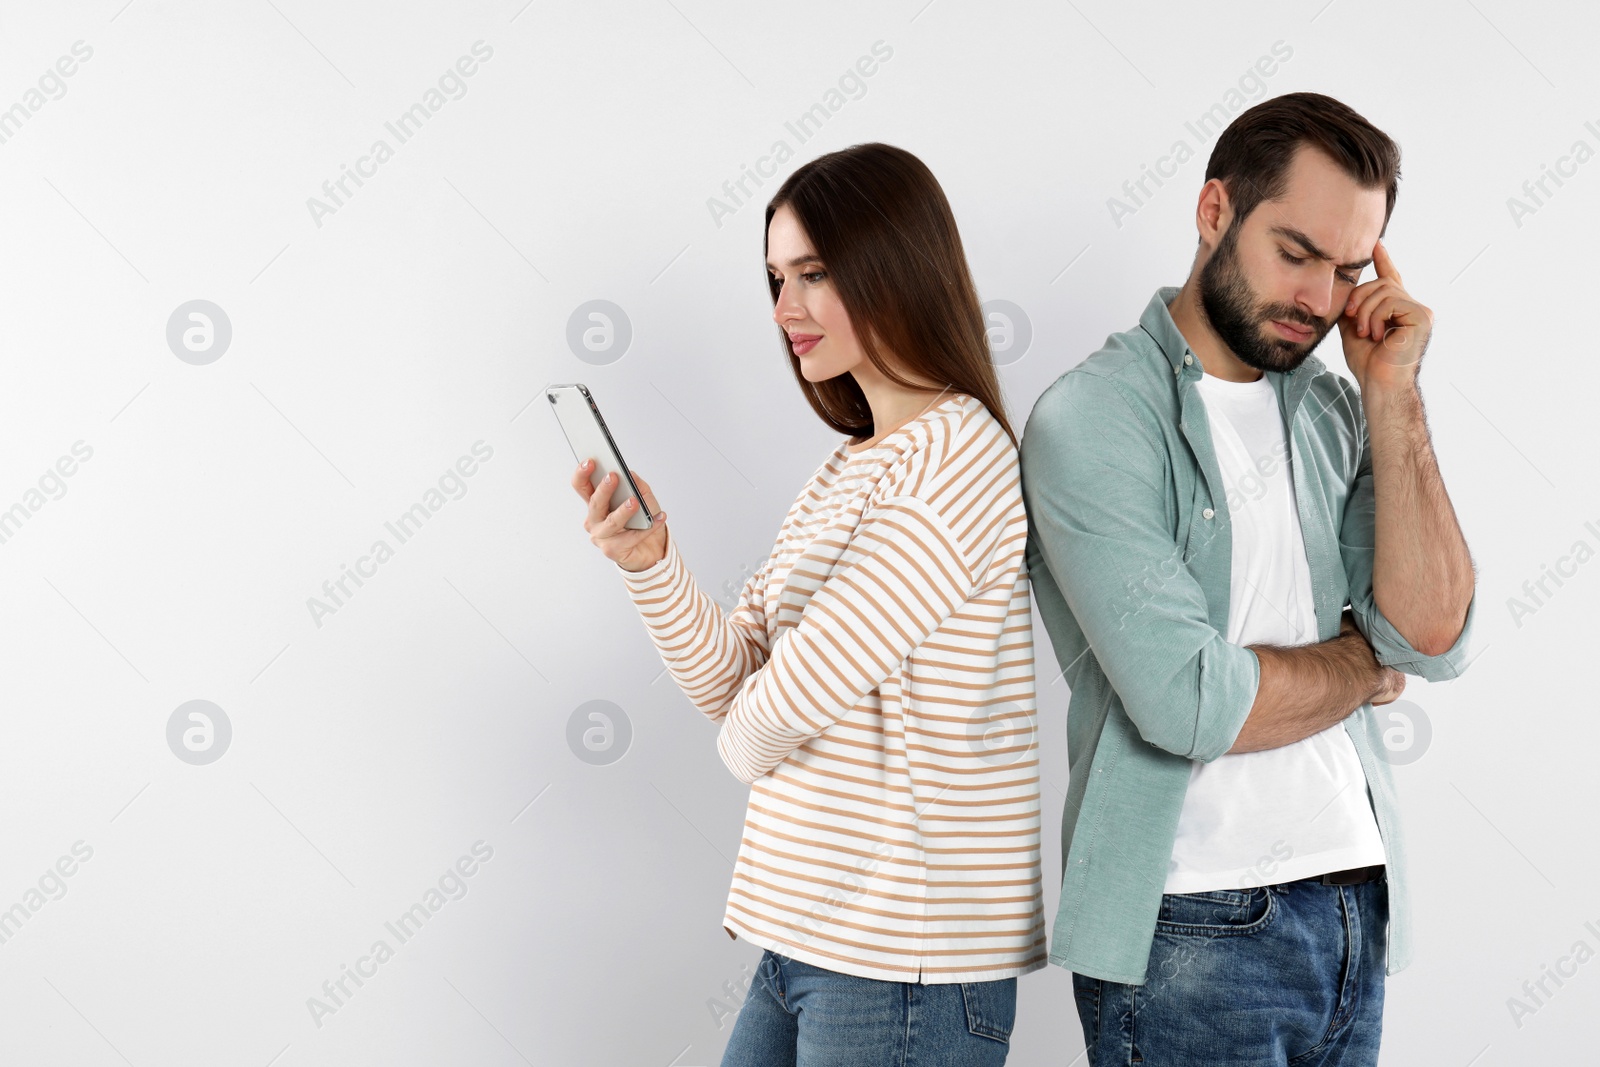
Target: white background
427, 313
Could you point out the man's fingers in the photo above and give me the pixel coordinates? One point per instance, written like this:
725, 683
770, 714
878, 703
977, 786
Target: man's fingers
1377, 315
1383, 263
1360, 293
1382, 305
1371, 300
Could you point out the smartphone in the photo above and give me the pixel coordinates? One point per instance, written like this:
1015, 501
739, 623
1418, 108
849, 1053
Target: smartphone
589, 438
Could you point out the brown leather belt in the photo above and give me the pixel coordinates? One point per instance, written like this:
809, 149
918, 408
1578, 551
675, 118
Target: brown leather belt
1353, 875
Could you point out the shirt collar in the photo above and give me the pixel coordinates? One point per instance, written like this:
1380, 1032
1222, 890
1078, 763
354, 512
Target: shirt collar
1157, 322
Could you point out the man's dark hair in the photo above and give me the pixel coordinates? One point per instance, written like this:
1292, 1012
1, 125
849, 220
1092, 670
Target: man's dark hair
1253, 154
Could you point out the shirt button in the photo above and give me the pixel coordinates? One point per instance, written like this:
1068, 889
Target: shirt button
1208, 513
1187, 359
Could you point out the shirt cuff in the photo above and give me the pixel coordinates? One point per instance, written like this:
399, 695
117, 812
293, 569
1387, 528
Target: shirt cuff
641, 581
1393, 650
1230, 677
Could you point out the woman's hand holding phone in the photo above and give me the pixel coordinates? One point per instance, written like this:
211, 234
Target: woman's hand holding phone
632, 550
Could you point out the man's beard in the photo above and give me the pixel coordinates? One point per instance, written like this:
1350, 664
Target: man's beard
1231, 305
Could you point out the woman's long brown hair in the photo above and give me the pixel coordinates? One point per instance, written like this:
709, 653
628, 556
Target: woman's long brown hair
884, 231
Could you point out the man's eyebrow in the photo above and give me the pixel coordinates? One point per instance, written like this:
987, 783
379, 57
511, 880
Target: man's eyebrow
1311, 247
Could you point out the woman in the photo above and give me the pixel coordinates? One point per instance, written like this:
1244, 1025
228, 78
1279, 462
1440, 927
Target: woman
875, 683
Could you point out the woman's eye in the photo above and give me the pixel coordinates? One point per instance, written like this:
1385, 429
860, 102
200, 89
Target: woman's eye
813, 277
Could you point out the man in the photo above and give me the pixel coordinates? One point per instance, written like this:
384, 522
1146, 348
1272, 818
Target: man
1204, 500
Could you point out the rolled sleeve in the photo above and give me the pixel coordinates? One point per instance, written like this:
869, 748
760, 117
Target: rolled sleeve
1094, 479
1393, 650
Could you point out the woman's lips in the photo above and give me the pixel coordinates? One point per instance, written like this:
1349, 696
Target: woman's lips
1293, 333
804, 342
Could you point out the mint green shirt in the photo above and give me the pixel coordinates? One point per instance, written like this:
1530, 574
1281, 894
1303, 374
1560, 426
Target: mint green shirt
1130, 555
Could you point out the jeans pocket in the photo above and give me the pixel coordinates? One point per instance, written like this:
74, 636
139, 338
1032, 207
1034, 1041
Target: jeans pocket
1217, 912
991, 1007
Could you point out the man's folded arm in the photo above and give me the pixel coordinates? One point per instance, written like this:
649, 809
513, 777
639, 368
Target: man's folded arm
1307, 688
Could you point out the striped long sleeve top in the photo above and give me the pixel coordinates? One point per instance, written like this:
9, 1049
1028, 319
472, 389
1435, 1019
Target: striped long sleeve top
875, 686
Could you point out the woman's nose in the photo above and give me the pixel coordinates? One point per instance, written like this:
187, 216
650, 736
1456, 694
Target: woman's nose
785, 308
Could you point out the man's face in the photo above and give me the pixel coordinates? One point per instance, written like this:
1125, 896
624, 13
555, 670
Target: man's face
1278, 279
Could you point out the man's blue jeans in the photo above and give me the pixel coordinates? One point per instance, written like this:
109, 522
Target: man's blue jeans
1287, 974
798, 1015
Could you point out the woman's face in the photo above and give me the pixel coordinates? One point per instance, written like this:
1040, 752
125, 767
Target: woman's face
808, 306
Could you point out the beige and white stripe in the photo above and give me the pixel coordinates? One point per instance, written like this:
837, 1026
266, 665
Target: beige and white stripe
875, 686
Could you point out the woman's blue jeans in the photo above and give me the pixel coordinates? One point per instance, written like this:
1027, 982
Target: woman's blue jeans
798, 1015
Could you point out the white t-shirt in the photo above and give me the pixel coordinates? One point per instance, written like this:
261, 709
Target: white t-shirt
1259, 818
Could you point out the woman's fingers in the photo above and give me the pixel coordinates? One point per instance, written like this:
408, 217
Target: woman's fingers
615, 523
615, 534
646, 491
600, 503
580, 481
607, 526
605, 521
